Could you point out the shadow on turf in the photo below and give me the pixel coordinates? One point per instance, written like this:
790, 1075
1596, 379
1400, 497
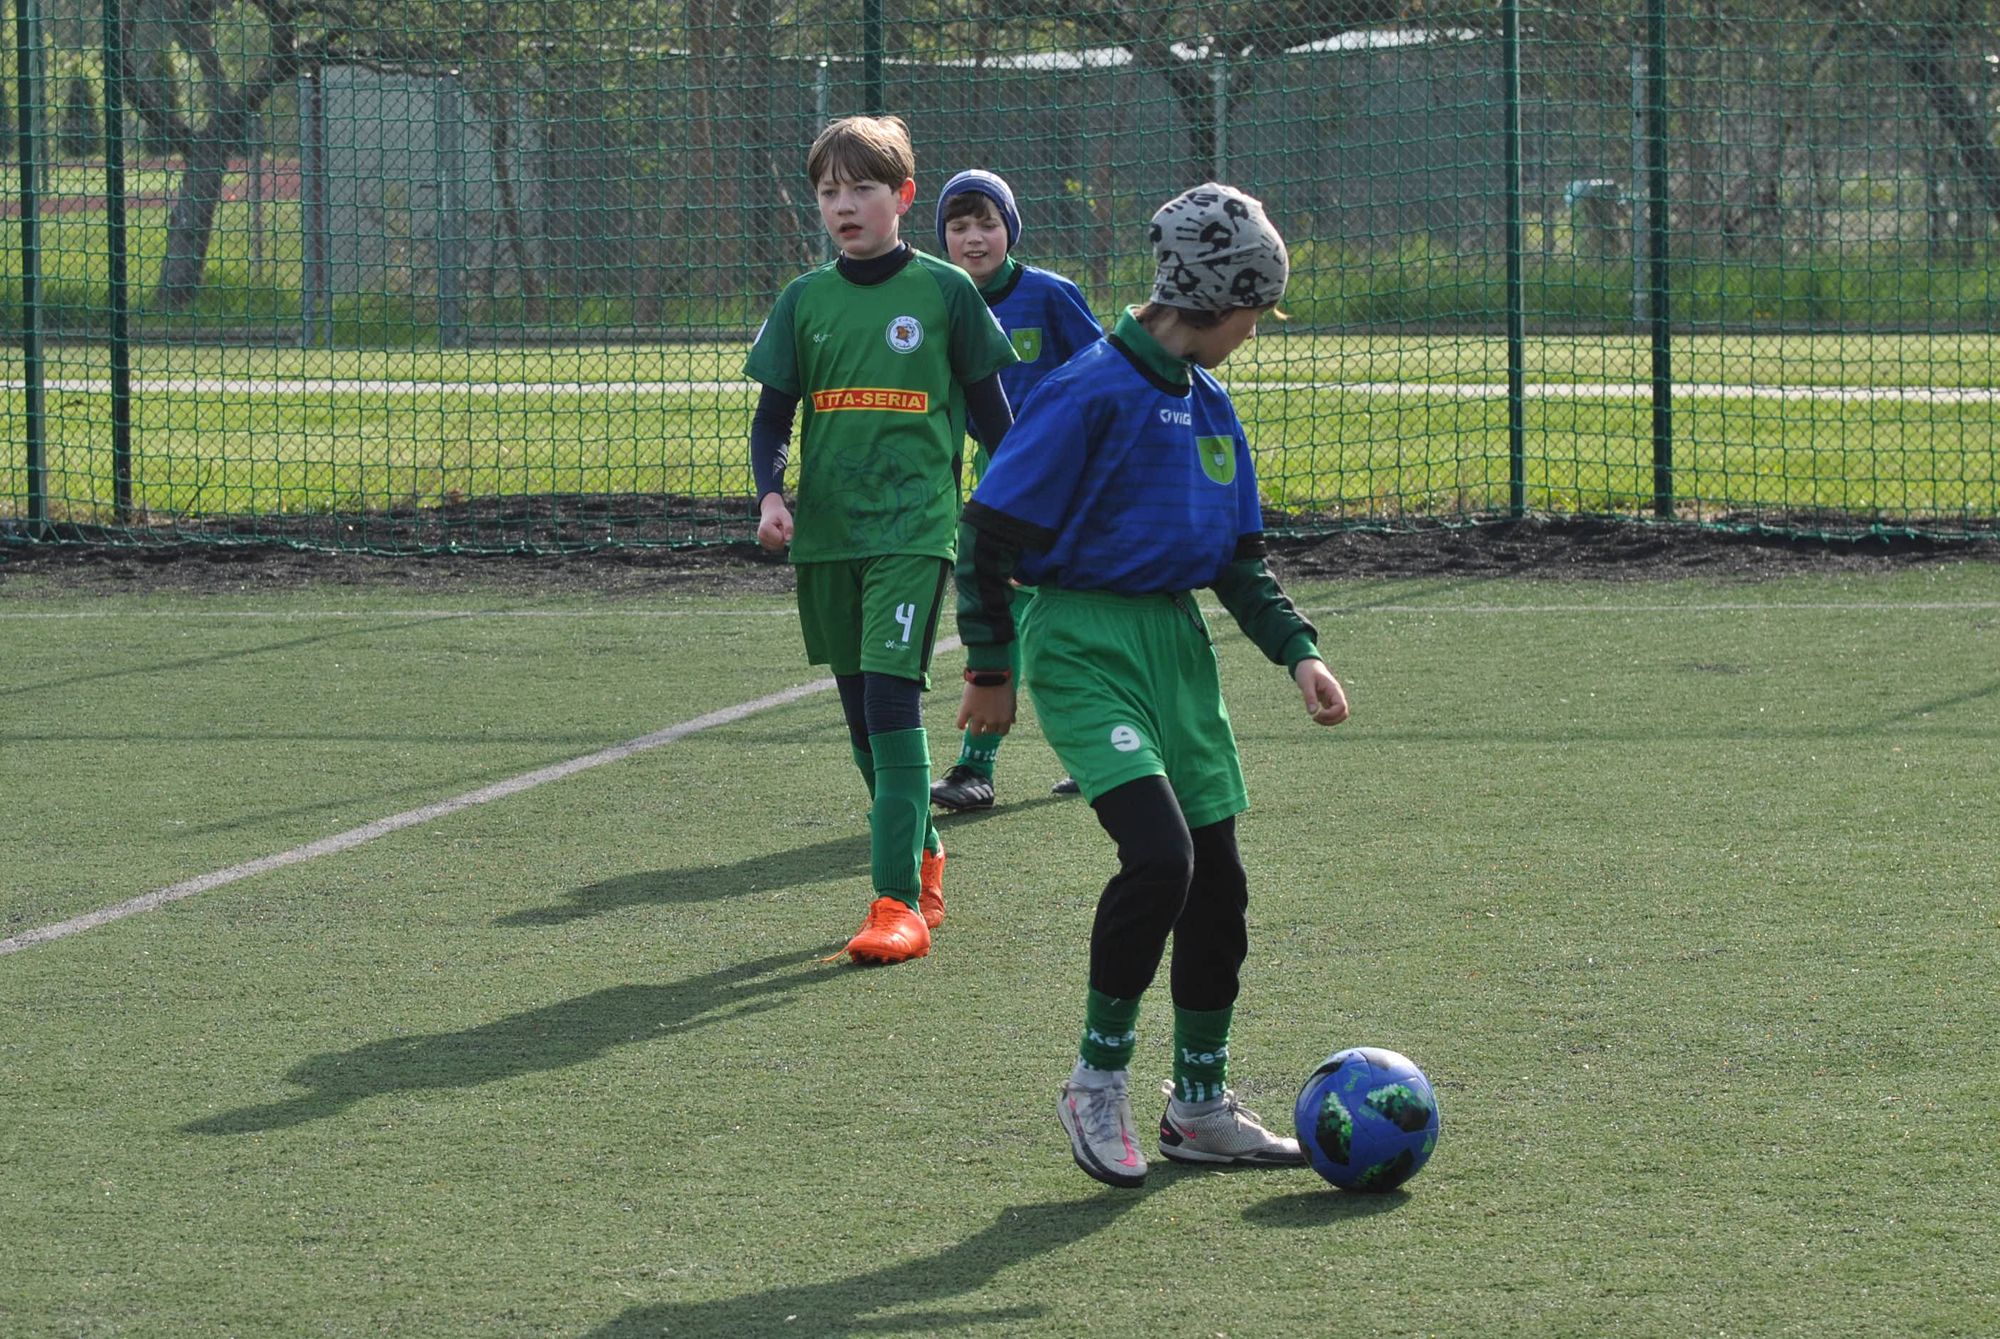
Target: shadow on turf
798, 867
223, 657
944, 1285
568, 1032
1323, 1207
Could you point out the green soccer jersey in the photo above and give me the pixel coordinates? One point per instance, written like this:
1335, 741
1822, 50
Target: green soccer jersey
880, 371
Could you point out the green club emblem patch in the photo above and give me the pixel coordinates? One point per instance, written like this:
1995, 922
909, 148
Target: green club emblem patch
1028, 343
1218, 458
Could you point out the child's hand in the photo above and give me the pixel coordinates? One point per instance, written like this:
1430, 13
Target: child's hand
1325, 699
987, 711
774, 528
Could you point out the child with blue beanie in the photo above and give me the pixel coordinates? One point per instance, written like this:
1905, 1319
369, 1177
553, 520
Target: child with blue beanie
1047, 320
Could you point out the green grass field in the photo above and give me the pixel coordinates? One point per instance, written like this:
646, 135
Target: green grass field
1681, 892
1900, 427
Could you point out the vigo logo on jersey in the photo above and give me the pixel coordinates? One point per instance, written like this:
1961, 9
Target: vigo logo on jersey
904, 334
1218, 458
871, 397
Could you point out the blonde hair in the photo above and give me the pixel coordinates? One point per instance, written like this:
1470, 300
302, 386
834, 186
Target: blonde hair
863, 148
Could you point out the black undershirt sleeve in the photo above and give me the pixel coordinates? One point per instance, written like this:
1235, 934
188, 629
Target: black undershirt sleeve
771, 440
987, 409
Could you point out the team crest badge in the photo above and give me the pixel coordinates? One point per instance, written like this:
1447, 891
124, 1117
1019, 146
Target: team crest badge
1028, 344
905, 333
1218, 458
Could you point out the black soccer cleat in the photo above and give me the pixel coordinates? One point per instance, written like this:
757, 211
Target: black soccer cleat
962, 789
1066, 786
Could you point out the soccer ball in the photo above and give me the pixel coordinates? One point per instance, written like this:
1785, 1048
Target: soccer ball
1367, 1119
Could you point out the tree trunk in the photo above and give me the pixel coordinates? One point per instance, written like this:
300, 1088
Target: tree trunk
191, 224
1958, 112
525, 273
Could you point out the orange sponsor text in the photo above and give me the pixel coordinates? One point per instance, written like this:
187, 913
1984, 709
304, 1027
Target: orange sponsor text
872, 397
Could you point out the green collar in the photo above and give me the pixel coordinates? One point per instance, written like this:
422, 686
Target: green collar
997, 282
1147, 352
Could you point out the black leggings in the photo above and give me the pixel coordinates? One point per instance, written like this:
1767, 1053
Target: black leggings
1171, 881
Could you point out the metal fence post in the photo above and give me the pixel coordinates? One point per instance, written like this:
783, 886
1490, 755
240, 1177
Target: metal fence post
1656, 207
315, 211
118, 279
1219, 112
1517, 391
823, 109
450, 147
1641, 188
871, 57
308, 86
27, 78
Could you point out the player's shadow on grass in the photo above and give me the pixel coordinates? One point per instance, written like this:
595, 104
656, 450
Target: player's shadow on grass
797, 867
1323, 1207
568, 1032
942, 1288
222, 657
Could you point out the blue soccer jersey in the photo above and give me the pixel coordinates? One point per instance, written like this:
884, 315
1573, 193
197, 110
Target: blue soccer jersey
1048, 321
1140, 485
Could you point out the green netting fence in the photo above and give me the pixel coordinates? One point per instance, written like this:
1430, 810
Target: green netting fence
480, 274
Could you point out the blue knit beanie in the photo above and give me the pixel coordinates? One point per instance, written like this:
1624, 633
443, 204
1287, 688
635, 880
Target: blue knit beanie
978, 181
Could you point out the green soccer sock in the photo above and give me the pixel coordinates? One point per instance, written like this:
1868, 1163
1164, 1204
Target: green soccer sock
899, 823
1110, 1031
1201, 1053
977, 753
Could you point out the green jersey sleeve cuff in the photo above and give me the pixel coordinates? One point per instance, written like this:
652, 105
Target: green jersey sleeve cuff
1298, 650
987, 657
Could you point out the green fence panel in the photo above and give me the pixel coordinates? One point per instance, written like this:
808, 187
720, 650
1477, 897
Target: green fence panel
481, 276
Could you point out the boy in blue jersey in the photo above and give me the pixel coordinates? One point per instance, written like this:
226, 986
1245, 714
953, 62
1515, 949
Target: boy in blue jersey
1047, 320
1126, 484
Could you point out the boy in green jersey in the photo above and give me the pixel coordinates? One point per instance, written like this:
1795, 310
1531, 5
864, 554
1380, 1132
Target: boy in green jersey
890, 353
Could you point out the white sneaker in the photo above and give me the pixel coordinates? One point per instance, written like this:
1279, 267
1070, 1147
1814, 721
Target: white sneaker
1101, 1137
1228, 1135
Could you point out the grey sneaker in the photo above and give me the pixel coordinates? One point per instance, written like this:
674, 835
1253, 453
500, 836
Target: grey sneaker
1101, 1137
1230, 1135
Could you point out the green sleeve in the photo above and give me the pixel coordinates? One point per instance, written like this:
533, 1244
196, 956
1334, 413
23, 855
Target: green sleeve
979, 347
1251, 594
774, 354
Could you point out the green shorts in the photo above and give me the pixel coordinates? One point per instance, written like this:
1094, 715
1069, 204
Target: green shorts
877, 615
1126, 686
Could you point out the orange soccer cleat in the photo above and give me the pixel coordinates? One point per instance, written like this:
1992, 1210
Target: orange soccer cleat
892, 933
930, 882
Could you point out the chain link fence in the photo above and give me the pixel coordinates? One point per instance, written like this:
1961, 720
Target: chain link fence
481, 275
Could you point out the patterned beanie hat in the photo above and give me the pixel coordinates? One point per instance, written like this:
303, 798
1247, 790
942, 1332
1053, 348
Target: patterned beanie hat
976, 181
1217, 251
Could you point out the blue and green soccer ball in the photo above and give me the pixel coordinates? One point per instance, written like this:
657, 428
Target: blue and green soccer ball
1367, 1119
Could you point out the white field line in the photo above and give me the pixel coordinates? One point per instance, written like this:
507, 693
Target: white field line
410, 818
1213, 610
1688, 390
1435, 390
429, 615
379, 386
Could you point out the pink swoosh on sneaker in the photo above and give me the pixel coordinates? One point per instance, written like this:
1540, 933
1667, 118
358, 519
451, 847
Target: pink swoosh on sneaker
1131, 1158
